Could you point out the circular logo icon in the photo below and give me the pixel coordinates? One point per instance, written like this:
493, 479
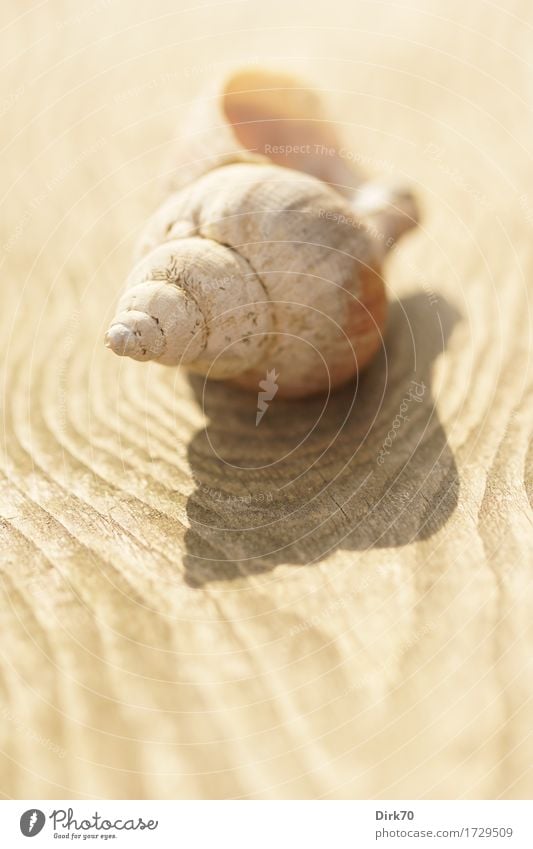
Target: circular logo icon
32, 822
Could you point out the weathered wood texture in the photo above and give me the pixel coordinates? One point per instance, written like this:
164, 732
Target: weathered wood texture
348, 628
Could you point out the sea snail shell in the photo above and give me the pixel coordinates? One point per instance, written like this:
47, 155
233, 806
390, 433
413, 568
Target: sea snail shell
251, 265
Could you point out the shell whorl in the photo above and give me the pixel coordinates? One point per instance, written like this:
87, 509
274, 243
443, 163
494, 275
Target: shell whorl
277, 262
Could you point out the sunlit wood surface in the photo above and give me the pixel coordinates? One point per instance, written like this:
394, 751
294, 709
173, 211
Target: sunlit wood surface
196, 607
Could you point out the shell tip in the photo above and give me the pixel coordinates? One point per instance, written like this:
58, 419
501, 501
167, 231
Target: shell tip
120, 339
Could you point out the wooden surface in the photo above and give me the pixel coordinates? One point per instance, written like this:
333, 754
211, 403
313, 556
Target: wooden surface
196, 607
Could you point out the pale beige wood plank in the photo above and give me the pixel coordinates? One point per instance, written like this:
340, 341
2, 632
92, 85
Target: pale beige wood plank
352, 629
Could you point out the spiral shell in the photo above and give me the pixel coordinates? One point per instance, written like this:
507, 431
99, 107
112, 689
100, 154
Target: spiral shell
251, 265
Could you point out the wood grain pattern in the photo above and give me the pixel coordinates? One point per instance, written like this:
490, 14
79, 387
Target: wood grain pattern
196, 607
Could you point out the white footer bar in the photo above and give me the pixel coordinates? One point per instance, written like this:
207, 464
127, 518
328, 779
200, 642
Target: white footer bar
268, 824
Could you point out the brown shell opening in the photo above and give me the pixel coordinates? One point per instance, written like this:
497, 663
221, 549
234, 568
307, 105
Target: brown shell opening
280, 117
